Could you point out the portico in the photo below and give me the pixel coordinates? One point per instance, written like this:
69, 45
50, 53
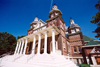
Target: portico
43, 34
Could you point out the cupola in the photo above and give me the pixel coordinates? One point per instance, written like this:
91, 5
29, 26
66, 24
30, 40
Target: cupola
36, 19
54, 12
73, 28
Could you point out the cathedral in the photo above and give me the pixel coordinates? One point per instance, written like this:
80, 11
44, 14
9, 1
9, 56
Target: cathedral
50, 43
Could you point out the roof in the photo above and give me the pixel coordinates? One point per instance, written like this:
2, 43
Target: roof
86, 38
92, 42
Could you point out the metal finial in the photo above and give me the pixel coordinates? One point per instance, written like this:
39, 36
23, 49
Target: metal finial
36, 15
54, 3
70, 17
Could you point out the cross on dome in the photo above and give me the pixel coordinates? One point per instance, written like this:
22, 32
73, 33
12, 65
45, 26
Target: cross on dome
71, 21
54, 7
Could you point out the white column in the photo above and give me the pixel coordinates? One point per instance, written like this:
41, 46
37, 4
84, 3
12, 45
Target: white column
25, 46
39, 43
45, 43
22, 46
33, 47
16, 48
94, 61
79, 61
53, 40
19, 48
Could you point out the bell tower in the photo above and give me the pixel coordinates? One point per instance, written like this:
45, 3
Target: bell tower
56, 20
75, 37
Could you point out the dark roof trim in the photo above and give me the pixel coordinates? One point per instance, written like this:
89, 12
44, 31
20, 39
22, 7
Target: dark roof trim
55, 17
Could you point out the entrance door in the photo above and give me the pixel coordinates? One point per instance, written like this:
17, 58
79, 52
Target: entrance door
98, 60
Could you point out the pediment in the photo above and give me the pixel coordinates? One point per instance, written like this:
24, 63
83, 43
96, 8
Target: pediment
95, 50
39, 24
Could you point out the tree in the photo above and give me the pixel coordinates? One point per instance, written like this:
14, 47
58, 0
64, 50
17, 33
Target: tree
7, 42
18, 37
97, 21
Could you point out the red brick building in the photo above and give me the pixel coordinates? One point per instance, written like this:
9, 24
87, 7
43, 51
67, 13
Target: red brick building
91, 52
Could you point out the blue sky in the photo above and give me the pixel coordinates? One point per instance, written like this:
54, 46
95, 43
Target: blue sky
16, 15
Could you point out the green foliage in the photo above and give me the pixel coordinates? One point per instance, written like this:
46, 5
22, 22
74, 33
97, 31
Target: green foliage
85, 65
18, 37
97, 20
7, 42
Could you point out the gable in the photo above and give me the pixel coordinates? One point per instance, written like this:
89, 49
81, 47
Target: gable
95, 50
39, 24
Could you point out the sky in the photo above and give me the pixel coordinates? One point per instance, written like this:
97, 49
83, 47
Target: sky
16, 15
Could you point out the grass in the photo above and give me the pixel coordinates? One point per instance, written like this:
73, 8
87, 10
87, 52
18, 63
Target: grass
85, 65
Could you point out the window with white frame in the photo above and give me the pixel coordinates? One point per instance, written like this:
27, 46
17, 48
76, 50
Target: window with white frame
75, 50
77, 29
73, 30
79, 49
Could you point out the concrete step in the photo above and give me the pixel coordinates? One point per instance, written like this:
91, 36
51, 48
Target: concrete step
43, 60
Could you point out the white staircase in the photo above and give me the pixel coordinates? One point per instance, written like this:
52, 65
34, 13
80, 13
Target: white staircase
40, 60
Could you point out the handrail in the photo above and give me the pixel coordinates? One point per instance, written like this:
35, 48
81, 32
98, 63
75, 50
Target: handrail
22, 55
1, 60
31, 56
17, 57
